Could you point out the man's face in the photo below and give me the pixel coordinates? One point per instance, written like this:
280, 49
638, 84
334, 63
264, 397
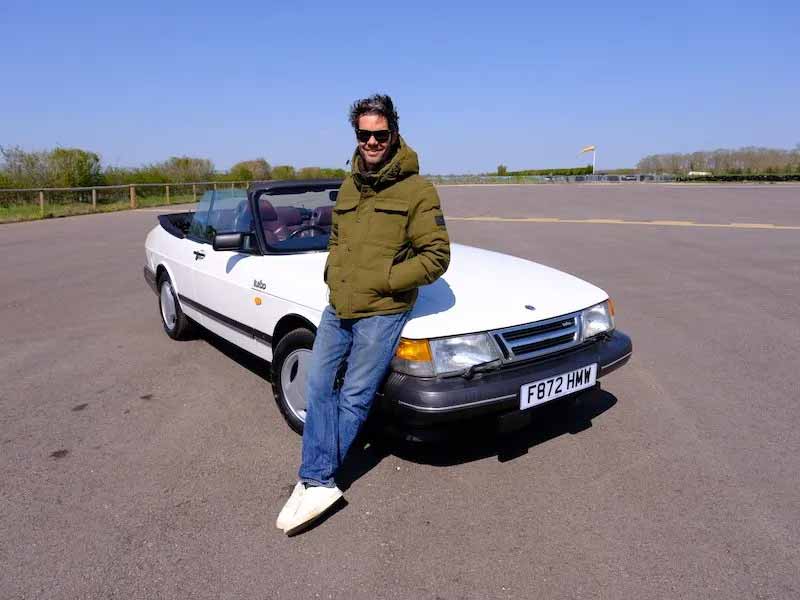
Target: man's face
373, 152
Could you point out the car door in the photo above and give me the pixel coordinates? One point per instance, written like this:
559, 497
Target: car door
244, 294
226, 283
184, 255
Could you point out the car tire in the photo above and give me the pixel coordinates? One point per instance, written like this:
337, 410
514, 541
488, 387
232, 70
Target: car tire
290, 361
176, 324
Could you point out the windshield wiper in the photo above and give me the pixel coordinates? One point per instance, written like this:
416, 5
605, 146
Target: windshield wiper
490, 365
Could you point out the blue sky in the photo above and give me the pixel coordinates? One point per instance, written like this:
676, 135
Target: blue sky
520, 83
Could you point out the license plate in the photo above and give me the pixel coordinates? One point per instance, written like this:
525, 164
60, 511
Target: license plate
554, 387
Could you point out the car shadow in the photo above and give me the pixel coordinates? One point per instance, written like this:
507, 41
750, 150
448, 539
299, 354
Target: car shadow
463, 443
549, 422
251, 362
470, 443
234, 260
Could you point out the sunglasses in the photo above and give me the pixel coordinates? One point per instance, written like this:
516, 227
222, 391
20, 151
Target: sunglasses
381, 136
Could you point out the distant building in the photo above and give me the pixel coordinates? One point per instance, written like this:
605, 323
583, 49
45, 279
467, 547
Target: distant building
699, 174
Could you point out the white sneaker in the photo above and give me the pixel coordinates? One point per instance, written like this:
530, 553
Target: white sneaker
314, 503
288, 510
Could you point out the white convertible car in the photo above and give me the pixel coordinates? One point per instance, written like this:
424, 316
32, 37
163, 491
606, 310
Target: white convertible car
492, 338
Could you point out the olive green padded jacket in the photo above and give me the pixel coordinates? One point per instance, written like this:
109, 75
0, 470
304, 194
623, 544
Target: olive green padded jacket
388, 237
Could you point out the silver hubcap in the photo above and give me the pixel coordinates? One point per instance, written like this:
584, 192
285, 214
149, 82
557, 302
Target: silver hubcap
293, 381
168, 311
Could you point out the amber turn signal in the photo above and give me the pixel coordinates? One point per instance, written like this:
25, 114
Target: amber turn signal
417, 350
611, 306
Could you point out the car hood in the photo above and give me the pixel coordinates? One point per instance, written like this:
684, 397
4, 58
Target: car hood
481, 290
484, 290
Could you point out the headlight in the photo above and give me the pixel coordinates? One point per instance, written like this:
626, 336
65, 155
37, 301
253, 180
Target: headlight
463, 351
597, 319
443, 355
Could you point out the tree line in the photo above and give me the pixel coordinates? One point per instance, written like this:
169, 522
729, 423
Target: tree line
75, 167
750, 160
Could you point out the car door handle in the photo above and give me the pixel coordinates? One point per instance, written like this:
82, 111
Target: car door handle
198, 254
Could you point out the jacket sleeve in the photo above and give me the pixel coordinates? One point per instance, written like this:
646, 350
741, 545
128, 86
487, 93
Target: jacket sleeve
333, 243
428, 236
333, 239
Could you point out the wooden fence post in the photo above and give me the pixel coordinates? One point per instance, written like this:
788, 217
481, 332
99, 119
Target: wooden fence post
194, 191
94, 198
41, 203
167, 190
133, 196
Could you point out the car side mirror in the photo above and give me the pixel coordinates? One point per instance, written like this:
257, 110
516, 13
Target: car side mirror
234, 242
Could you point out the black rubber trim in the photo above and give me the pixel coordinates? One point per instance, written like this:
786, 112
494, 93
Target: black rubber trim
291, 186
167, 223
262, 337
424, 402
150, 278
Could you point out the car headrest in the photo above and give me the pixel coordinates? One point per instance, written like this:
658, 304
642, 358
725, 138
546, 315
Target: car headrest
322, 215
267, 210
289, 215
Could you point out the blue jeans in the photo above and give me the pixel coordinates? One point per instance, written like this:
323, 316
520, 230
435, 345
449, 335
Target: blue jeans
334, 416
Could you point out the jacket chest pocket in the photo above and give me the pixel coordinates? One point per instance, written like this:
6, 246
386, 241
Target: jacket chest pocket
388, 223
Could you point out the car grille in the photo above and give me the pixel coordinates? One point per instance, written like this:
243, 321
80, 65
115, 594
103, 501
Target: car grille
532, 340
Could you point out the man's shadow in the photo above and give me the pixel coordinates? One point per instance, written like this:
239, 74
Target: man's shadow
433, 298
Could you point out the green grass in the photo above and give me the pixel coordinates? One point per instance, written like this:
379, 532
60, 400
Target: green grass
30, 211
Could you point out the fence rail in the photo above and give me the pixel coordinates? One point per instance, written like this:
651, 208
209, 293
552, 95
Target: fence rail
37, 203
215, 184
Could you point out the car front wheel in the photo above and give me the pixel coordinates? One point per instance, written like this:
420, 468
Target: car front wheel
290, 364
176, 324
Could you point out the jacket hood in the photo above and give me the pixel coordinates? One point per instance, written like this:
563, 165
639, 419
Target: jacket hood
403, 164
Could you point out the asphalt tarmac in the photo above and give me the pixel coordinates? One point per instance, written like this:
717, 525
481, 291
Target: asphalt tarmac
133, 466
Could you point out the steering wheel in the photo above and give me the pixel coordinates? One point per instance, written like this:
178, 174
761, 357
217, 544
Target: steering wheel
305, 228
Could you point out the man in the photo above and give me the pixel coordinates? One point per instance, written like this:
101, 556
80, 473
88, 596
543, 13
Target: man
388, 237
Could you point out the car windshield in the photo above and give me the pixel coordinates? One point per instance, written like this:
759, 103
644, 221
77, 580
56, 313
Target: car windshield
295, 219
221, 211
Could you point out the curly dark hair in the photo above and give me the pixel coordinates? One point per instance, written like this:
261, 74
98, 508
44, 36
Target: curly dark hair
377, 104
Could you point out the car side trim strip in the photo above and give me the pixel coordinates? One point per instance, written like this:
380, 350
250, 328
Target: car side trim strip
620, 359
262, 337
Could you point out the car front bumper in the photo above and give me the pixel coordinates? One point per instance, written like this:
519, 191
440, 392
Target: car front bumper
416, 402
